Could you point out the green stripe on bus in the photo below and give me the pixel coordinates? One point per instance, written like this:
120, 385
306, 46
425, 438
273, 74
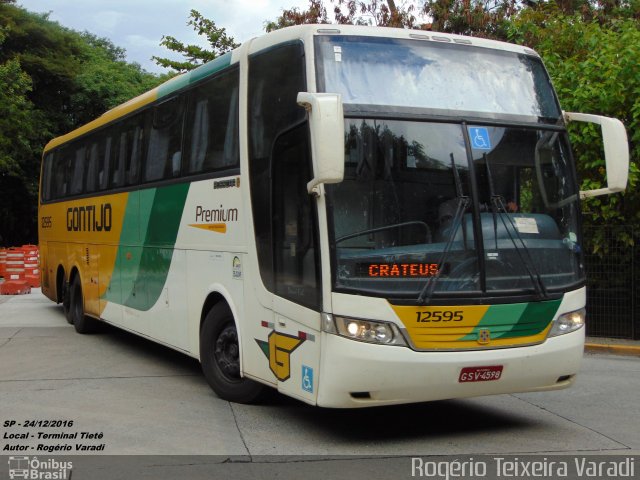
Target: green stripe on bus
534, 319
134, 227
516, 320
146, 247
498, 318
189, 78
160, 238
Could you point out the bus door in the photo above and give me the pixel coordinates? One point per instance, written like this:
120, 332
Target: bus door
296, 266
285, 223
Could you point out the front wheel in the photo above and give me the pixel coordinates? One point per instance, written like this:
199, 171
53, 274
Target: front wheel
220, 358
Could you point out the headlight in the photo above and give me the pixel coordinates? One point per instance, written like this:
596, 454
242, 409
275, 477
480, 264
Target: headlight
383, 333
568, 322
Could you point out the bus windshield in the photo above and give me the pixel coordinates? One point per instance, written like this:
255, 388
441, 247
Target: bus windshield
449, 208
440, 76
403, 215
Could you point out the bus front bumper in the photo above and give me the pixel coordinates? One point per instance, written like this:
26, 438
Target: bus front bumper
357, 374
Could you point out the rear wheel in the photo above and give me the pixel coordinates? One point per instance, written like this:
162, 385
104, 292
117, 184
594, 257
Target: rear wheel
81, 322
66, 302
220, 358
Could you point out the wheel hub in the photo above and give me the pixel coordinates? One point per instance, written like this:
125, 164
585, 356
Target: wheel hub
227, 353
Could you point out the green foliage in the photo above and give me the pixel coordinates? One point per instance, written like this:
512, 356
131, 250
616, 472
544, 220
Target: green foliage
375, 12
316, 13
195, 55
591, 49
480, 18
594, 67
15, 116
52, 80
350, 12
106, 79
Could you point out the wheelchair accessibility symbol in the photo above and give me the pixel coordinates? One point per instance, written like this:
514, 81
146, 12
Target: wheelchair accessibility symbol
479, 138
307, 379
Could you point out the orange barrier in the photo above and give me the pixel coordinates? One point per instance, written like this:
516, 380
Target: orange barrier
21, 270
15, 264
31, 265
3, 261
14, 287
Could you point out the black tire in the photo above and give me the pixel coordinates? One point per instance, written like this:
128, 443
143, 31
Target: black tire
220, 358
81, 322
66, 302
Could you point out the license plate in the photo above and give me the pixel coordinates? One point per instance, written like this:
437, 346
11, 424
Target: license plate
480, 374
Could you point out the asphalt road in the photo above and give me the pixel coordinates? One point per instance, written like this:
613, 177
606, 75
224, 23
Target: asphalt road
145, 399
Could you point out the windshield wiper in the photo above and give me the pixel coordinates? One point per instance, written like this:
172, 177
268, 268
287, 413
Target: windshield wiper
497, 204
461, 206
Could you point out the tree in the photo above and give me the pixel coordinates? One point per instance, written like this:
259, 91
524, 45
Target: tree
350, 12
317, 13
376, 12
353, 12
480, 18
16, 112
52, 79
106, 79
195, 55
18, 137
593, 62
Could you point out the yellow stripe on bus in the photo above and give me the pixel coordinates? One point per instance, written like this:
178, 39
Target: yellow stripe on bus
212, 227
86, 233
108, 117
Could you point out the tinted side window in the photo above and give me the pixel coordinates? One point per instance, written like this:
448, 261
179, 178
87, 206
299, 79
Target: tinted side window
97, 169
127, 151
275, 78
118, 159
296, 256
212, 125
47, 168
60, 175
135, 151
76, 168
92, 168
164, 154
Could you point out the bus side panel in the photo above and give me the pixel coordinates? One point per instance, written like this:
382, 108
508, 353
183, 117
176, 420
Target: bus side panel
109, 281
75, 235
295, 351
57, 257
52, 231
90, 280
75, 262
47, 277
167, 319
212, 233
147, 277
218, 273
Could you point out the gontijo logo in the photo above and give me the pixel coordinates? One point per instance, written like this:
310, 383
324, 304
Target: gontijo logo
89, 218
215, 219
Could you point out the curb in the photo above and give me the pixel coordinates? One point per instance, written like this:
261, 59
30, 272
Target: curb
614, 349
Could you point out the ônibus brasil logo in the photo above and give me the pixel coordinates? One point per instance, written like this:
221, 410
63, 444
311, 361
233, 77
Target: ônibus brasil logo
32, 468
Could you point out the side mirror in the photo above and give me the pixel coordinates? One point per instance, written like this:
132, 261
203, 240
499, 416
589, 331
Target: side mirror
616, 152
326, 121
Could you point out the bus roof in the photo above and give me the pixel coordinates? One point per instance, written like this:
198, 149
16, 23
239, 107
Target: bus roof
273, 38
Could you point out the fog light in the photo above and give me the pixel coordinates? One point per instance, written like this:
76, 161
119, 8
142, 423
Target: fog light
568, 322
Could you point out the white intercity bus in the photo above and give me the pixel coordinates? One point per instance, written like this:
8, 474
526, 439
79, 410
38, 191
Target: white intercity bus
355, 216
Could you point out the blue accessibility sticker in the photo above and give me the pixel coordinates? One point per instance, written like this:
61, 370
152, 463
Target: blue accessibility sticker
307, 379
479, 138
